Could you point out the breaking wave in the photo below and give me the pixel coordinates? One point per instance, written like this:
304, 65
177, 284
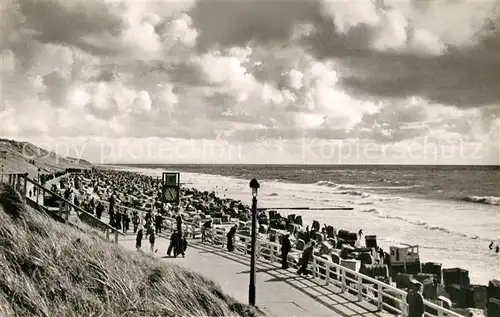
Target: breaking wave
348, 186
371, 210
425, 225
354, 193
487, 200
420, 224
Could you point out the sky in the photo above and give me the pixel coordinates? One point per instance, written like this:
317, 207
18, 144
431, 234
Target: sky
254, 81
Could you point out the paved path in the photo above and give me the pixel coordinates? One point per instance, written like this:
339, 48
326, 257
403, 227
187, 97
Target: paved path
279, 292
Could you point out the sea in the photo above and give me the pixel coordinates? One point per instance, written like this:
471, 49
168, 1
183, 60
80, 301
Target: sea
451, 212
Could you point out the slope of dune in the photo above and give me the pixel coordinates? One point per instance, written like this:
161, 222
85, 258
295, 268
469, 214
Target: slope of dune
25, 157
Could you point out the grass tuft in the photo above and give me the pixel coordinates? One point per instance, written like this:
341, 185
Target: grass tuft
50, 269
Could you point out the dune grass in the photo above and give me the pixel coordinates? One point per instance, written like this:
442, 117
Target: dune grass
50, 269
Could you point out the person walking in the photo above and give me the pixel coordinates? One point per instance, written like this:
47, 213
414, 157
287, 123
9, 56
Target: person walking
207, 225
178, 221
118, 219
158, 221
152, 241
112, 202
174, 241
126, 221
230, 237
181, 244
306, 257
286, 246
135, 220
138, 240
99, 210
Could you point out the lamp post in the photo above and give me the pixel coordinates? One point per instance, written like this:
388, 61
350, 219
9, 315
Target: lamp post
254, 185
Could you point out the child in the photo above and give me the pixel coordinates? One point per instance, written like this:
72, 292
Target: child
138, 239
152, 240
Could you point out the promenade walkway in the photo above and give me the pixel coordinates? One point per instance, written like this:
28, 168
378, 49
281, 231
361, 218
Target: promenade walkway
279, 292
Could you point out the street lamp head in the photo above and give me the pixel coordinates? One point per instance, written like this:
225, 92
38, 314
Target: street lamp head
254, 185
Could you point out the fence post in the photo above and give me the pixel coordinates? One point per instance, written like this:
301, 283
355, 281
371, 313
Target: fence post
342, 279
37, 194
380, 296
314, 267
360, 287
25, 185
327, 273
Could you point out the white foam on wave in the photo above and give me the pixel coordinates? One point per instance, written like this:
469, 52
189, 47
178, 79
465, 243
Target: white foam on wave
488, 200
350, 186
423, 224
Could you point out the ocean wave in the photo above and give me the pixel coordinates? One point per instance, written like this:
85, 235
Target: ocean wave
326, 183
272, 194
360, 203
387, 198
349, 186
423, 224
430, 227
487, 200
354, 193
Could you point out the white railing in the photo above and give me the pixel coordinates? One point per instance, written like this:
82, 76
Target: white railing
383, 296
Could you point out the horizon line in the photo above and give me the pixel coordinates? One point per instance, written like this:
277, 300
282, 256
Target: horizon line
301, 164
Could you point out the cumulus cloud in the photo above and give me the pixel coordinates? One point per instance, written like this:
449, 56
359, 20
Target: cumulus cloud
247, 71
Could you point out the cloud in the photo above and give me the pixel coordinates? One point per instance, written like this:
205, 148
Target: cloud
414, 52
247, 71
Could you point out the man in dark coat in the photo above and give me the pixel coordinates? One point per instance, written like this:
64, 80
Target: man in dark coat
111, 204
286, 246
230, 237
306, 257
135, 220
138, 240
182, 245
178, 221
174, 243
158, 222
99, 210
207, 225
416, 306
118, 220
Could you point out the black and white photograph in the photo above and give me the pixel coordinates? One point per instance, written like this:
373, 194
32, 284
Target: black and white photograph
250, 158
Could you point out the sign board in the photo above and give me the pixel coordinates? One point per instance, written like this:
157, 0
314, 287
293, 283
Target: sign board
171, 194
171, 187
